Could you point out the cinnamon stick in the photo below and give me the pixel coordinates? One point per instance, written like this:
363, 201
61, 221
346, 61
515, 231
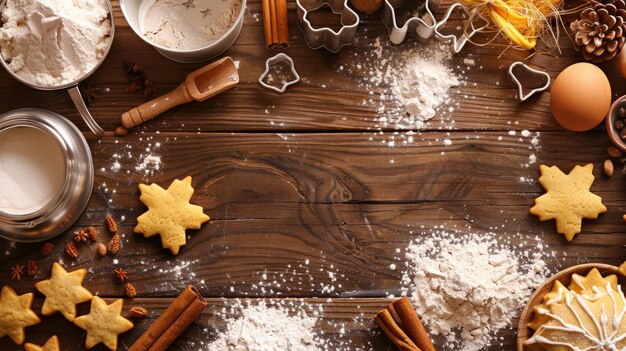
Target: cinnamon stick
275, 24
401, 324
178, 316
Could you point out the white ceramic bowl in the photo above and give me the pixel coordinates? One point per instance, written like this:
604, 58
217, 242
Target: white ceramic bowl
131, 9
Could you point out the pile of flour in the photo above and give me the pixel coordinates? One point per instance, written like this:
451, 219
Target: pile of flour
262, 327
467, 287
52, 42
187, 24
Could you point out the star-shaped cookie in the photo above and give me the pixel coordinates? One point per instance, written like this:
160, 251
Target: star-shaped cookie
555, 295
16, 314
63, 291
51, 345
169, 213
583, 284
103, 323
568, 199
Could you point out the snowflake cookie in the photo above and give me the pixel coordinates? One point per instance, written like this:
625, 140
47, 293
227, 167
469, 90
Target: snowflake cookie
567, 198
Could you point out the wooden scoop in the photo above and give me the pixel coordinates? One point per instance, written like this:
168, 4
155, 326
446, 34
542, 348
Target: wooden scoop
199, 85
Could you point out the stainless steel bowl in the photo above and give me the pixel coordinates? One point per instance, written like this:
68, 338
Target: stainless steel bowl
70, 202
72, 87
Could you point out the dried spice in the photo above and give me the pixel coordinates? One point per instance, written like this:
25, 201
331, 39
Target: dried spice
102, 249
111, 224
46, 249
114, 245
130, 290
81, 236
16, 272
91, 93
133, 87
121, 274
138, 312
71, 250
137, 80
93, 233
32, 268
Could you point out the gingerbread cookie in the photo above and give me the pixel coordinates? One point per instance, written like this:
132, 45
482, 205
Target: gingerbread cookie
567, 198
51, 345
103, 323
16, 314
582, 321
63, 291
169, 213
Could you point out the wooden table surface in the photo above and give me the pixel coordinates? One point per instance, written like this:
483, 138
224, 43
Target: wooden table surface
301, 184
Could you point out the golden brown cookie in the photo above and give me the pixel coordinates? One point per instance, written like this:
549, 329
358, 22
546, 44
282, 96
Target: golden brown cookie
51, 345
584, 284
567, 198
579, 321
555, 295
169, 213
103, 323
16, 314
63, 291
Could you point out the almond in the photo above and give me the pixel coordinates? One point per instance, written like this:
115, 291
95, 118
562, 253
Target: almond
138, 312
102, 249
608, 167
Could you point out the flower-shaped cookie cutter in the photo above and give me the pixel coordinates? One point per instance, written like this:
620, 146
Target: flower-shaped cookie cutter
281, 57
325, 37
521, 97
423, 26
458, 42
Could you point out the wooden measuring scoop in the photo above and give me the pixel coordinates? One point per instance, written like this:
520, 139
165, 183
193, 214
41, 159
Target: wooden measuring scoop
199, 85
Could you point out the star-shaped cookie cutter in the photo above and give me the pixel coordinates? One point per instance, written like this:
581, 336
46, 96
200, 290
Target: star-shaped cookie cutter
521, 97
423, 26
281, 57
325, 37
458, 42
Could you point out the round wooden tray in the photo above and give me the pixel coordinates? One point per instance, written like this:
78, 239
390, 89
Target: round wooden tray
564, 276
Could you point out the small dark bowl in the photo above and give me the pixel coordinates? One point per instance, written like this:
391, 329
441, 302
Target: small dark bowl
613, 132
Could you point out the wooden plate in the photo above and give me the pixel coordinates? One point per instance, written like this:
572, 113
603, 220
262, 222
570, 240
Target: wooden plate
564, 276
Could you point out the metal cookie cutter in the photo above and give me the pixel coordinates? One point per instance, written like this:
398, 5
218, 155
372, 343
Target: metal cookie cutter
424, 27
281, 57
325, 37
458, 42
529, 70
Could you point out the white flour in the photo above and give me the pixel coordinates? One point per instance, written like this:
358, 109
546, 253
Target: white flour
52, 42
187, 24
467, 288
267, 328
32, 170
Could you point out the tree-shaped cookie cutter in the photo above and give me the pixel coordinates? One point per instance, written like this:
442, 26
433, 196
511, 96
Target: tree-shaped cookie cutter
281, 57
458, 42
325, 37
424, 26
521, 97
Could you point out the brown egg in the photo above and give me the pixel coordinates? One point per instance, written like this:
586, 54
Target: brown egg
580, 97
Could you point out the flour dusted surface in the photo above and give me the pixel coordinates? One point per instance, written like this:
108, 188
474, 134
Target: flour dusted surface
467, 288
52, 42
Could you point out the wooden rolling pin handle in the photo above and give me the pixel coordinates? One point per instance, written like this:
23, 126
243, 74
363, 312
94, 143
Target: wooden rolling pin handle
155, 107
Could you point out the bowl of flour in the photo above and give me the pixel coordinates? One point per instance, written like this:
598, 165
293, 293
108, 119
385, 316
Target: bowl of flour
52, 44
186, 30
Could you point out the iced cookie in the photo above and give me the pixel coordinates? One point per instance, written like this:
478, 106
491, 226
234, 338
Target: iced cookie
582, 321
63, 291
169, 213
104, 323
567, 198
16, 314
51, 345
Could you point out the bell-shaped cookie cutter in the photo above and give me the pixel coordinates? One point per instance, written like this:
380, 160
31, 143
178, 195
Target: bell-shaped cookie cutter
424, 26
520, 88
458, 42
281, 57
325, 37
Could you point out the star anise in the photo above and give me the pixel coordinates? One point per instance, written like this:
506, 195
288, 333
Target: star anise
16, 272
81, 235
121, 274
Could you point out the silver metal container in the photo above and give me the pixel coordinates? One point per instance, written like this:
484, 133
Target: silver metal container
70, 201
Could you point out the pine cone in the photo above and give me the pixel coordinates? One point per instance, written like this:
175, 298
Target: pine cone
599, 31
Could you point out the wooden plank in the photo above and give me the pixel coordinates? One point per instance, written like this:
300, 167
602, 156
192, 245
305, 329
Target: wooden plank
354, 315
333, 98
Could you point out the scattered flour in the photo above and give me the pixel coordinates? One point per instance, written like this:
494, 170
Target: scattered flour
467, 287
